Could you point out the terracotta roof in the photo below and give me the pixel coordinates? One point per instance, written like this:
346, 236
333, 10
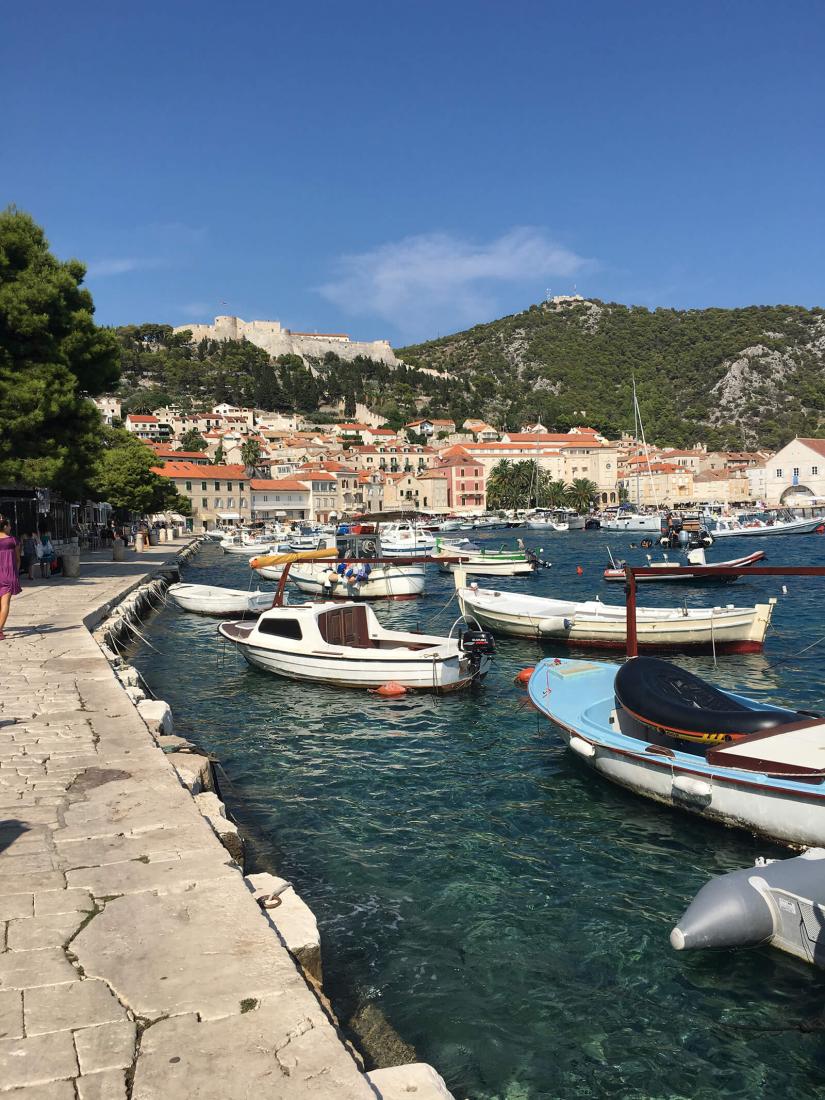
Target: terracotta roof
436, 471
177, 456
140, 418
817, 445
583, 440
187, 469
457, 460
282, 483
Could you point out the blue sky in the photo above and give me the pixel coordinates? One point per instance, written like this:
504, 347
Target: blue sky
406, 168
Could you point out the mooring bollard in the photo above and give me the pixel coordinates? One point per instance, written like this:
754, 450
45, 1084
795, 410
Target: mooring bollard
140, 542
118, 550
71, 560
153, 537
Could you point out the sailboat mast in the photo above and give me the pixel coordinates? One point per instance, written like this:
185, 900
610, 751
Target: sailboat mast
636, 433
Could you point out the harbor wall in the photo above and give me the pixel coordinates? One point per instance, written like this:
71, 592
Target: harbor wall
137, 959
289, 917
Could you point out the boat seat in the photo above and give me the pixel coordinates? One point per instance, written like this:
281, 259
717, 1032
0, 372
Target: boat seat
663, 695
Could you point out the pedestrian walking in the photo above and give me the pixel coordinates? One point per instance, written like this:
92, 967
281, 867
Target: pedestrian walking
9, 569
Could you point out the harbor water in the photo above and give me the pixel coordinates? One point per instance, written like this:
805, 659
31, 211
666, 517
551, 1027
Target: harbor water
486, 903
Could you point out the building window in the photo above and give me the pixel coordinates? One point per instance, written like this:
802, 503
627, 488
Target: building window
204, 502
189, 486
230, 502
218, 502
203, 486
796, 471
229, 486
217, 485
779, 473
814, 470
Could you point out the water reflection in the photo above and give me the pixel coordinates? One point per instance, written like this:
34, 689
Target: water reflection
504, 909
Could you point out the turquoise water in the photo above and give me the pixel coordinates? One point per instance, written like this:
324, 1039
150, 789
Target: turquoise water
503, 908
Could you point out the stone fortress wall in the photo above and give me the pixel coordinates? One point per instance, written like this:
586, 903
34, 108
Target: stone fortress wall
277, 340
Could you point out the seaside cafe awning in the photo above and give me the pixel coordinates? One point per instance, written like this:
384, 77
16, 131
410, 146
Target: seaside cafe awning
229, 515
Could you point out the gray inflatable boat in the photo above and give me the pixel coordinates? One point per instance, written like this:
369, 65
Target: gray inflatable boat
776, 902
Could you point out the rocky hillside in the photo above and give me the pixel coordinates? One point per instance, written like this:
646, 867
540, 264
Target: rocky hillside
735, 378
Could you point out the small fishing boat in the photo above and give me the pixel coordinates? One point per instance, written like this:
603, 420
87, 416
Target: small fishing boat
768, 777
210, 599
360, 581
668, 568
488, 563
749, 525
600, 625
346, 645
780, 902
246, 544
546, 521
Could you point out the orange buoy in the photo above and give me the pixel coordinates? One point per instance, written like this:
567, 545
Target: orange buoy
523, 676
579, 570
390, 689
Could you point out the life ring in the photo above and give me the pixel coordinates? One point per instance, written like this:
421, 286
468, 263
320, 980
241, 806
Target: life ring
368, 546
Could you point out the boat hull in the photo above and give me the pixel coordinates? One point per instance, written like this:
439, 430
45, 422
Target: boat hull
800, 527
414, 673
786, 811
219, 603
386, 582
603, 626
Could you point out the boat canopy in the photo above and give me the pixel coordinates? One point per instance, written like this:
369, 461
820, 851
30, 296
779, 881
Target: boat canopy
664, 695
325, 553
229, 515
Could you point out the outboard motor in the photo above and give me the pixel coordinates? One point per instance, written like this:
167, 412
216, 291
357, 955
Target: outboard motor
477, 644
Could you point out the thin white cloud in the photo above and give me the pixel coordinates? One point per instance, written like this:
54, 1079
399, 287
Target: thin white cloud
120, 265
423, 282
203, 310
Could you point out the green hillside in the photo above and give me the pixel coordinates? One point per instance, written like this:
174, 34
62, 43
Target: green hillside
735, 378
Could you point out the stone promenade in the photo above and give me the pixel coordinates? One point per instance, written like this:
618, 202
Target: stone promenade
134, 960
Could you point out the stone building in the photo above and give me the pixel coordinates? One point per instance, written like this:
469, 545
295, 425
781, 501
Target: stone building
277, 340
218, 494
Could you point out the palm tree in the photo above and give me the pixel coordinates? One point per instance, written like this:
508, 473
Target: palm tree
250, 453
580, 494
553, 494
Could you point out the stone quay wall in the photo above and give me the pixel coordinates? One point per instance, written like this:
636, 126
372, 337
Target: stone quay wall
137, 961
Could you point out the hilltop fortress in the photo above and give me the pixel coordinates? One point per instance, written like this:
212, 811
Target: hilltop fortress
277, 340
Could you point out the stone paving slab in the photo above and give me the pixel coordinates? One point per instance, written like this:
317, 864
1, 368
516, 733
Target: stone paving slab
130, 947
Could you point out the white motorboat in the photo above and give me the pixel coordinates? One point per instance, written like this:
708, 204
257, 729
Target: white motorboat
246, 544
546, 521
695, 557
210, 599
604, 626
346, 645
766, 775
405, 540
748, 525
632, 521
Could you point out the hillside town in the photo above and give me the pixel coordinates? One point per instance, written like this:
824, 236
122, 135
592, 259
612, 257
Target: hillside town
319, 472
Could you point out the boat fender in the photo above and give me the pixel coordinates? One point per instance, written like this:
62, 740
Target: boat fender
554, 624
692, 790
821, 529
523, 675
390, 690
582, 748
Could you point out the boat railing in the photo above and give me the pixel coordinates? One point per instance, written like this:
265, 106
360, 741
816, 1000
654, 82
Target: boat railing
631, 572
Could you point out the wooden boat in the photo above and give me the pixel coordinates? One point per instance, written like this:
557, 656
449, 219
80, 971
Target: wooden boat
209, 599
346, 645
695, 557
770, 781
604, 626
482, 562
332, 579
337, 581
749, 526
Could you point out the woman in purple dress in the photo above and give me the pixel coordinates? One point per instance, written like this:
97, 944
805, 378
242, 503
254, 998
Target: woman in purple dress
9, 569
